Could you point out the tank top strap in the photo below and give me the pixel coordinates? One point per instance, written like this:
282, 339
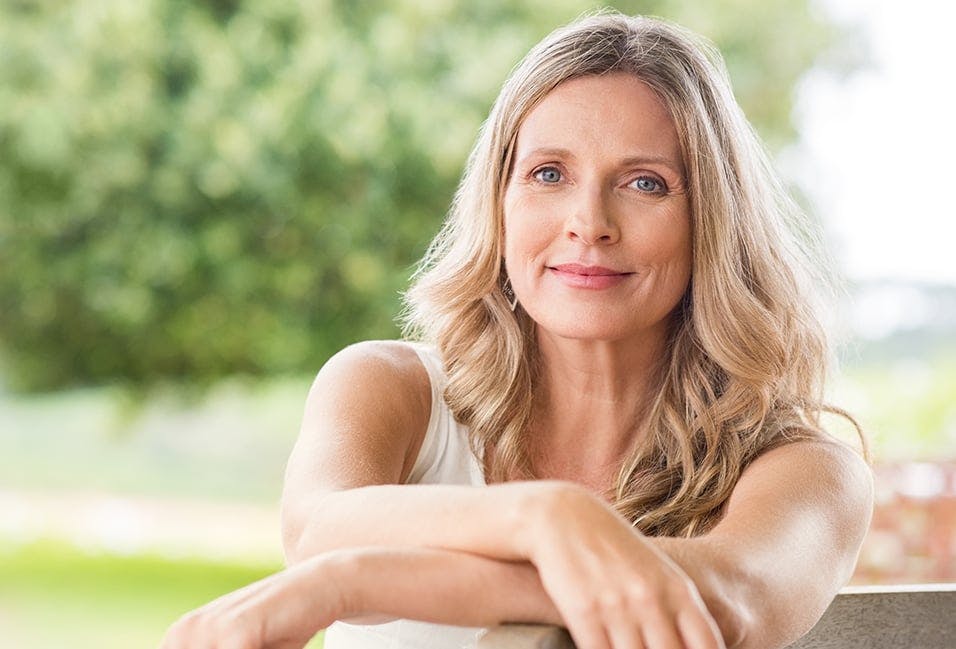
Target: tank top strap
445, 456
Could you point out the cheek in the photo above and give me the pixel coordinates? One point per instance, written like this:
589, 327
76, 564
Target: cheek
675, 250
683, 263
671, 244
666, 253
526, 233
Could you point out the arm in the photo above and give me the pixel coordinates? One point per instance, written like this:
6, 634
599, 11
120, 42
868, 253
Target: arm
787, 543
344, 518
284, 610
610, 586
804, 504
361, 432
363, 426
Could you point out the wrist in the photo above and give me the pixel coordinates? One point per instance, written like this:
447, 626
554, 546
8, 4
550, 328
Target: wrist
541, 508
338, 576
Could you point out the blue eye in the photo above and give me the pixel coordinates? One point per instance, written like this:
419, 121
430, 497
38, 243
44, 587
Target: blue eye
549, 175
650, 185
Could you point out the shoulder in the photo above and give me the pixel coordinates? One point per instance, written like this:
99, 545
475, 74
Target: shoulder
387, 372
393, 354
365, 418
810, 460
825, 476
372, 385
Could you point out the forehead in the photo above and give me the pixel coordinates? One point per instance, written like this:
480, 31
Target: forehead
615, 114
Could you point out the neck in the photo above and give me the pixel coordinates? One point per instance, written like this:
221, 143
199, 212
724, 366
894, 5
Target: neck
591, 402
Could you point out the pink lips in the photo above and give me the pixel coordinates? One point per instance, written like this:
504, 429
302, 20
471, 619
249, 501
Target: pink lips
593, 277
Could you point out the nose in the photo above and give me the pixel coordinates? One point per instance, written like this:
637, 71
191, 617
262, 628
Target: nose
590, 220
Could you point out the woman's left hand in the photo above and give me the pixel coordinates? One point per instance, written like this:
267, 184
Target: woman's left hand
282, 611
613, 588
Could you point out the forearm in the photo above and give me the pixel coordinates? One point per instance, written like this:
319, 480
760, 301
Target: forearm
291, 606
440, 586
489, 521
781, 553
719, 582
759, 597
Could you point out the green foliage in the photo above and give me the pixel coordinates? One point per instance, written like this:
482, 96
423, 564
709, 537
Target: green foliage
56, 595
906, 406
190, 190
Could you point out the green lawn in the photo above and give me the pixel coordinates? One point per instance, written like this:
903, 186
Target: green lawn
54, 596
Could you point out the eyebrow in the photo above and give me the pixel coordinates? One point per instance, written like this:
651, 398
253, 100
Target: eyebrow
627, 161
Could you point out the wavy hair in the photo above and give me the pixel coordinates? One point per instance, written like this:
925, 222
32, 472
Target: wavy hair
747, 356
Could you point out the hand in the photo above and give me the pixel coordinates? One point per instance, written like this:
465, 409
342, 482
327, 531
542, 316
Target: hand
612, 587
282, 611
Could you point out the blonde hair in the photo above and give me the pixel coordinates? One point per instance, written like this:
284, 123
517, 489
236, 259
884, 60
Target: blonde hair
747, 356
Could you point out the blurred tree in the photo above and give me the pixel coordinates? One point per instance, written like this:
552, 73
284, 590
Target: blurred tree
195, 189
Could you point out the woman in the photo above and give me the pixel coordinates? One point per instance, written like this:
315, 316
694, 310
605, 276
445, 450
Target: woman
613, 420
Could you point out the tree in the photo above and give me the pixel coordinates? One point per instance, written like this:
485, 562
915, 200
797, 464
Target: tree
195, 189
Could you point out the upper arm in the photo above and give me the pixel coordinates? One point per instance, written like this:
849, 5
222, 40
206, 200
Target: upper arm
793, 527
814, 494
363, 424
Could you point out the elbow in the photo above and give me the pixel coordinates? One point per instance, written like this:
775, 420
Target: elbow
291, 546
304, 531
762, 619
293, 532
292, 549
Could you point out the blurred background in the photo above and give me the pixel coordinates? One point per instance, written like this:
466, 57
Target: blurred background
201, 201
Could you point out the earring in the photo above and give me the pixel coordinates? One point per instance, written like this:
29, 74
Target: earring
509, 294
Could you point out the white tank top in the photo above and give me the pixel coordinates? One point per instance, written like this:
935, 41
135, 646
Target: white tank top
444, 458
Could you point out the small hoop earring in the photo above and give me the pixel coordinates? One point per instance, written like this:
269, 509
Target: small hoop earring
509, 294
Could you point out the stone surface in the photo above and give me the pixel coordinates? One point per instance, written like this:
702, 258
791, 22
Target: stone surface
884, 617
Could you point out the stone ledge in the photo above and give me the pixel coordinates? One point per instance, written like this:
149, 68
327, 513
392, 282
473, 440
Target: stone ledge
865, 617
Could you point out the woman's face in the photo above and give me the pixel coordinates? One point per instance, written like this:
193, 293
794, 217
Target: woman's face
597, 233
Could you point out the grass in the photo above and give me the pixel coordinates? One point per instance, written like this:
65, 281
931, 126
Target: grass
53, 595
231, 444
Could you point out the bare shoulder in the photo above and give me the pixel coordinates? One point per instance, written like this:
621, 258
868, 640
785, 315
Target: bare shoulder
830, 462
365, 415
377, 365
824, 478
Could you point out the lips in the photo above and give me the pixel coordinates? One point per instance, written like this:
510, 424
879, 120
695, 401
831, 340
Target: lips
578, 269
588, 277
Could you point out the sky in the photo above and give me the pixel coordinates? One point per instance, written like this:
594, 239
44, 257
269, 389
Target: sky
877, 147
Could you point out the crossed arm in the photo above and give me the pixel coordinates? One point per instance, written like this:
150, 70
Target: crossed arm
362, 547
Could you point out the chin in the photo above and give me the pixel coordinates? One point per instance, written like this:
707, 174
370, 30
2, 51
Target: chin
586, 326
599, 322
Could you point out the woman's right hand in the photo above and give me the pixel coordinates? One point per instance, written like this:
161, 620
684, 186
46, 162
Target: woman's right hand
613, 588
282, 611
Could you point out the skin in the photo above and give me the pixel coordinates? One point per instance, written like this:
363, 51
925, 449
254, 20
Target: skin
594, 185
363, 547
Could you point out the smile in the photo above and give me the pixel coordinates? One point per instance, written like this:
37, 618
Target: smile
588, 277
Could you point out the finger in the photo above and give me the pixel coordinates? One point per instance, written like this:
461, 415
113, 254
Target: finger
587, 633
660, 630
699, 631
622, 621
626, 635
